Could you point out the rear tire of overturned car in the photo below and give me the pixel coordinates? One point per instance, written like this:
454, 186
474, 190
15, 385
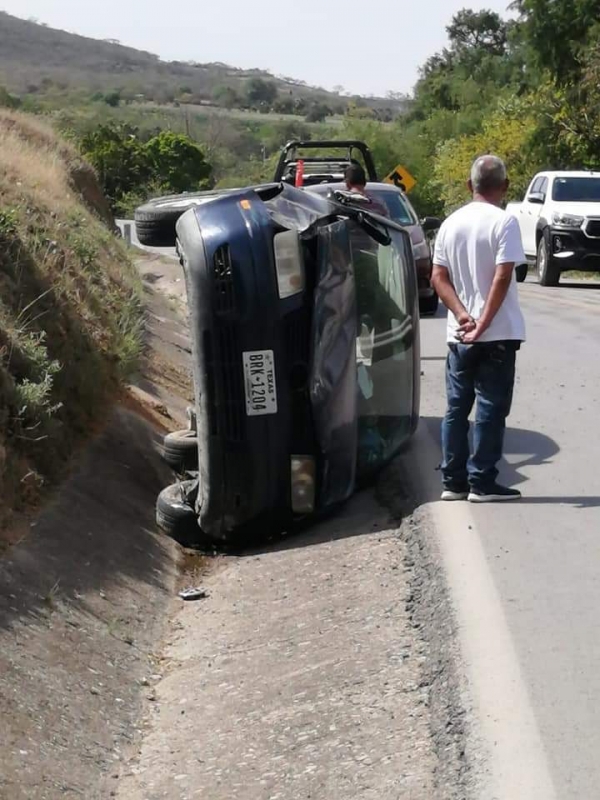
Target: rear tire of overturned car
155, 220
180, 450
176, 515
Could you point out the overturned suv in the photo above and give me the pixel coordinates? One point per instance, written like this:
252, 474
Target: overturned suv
305, 348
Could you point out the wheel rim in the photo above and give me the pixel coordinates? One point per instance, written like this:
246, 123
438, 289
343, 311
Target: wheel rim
542, 258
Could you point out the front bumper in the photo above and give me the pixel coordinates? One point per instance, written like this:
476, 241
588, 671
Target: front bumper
244, 461
573, 249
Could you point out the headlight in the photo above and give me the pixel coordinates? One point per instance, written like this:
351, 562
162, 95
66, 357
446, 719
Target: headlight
303, 484
289, 263
567, 220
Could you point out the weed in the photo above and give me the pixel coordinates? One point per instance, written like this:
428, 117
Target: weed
71, 317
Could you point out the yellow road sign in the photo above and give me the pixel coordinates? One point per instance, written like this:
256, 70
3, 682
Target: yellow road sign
401, 178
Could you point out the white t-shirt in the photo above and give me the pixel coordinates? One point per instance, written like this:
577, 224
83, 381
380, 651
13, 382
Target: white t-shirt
470, 244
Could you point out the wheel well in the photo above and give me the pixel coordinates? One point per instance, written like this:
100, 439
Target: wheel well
538, 235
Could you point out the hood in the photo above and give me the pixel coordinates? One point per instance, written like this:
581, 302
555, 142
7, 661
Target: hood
581, 209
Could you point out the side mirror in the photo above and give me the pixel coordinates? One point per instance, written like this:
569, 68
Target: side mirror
430, 224
536, 197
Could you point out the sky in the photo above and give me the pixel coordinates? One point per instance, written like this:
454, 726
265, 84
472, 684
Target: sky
323, 42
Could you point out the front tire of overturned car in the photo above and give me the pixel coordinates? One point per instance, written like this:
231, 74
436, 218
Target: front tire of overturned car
176, 515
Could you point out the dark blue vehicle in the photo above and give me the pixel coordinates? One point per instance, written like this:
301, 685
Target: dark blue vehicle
305, 348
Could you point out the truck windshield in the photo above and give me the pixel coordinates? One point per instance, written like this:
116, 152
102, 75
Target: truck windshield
578, 190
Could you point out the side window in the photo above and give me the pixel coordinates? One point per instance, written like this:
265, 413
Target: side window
544, 187
535, 186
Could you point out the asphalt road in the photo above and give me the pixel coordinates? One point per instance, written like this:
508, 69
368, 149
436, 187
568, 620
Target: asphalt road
525, 578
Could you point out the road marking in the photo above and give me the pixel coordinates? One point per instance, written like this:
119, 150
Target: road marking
515, 764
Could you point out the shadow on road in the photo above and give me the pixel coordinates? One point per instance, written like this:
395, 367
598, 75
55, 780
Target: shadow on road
532, 449
361, 515
579, 285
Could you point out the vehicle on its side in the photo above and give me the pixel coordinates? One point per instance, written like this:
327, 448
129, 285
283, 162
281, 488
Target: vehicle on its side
305, 351
560, 223
318, 172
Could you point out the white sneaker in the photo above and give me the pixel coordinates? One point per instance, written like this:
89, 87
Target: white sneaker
451, 496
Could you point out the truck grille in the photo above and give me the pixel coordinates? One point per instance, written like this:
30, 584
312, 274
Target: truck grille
232, 403
223, 286
592, 228
226, 398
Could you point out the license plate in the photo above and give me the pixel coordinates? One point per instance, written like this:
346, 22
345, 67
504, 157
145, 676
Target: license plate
259, 382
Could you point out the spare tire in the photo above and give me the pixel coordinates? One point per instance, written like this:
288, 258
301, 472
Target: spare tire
155, 221
180, 450
176, 515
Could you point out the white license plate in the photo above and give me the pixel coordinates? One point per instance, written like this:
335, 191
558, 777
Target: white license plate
259, 382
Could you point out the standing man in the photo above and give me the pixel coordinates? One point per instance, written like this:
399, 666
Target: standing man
473, 273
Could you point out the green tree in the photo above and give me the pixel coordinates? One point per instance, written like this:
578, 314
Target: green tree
118, 157
113, 99
176, 162
318, 112
557, 32
8, 100
261, 93
508, 133
227, 97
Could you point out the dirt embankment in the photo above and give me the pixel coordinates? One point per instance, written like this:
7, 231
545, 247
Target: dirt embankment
86, 592
71, 315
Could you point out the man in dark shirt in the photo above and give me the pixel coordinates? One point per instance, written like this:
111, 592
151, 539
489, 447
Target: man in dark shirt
356, 181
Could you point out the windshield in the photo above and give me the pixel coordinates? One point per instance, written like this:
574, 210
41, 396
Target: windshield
397, 208
581, 190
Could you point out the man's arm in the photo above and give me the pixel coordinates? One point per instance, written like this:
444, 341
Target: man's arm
444, 287
500, 284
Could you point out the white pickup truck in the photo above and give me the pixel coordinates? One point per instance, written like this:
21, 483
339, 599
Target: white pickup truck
560, 224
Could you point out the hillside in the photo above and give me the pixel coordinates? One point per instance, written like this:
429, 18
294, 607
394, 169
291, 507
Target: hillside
70, 307
35, 59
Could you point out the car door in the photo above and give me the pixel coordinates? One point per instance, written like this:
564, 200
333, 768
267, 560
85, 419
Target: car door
530, 213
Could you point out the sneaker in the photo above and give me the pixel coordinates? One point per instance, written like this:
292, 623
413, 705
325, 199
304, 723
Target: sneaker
452, 493
495, 494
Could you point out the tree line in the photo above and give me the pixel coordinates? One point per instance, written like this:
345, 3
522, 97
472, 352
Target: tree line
526, 88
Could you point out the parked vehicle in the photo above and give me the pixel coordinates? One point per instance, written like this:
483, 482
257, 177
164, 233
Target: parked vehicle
320, 173
560, 223
305, 350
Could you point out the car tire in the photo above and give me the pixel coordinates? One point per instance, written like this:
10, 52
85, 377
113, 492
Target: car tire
176, 515
547, 268
155, 220
180, 450
429, 305
521, 272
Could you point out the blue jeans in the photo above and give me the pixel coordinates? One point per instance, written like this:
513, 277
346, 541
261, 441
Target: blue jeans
485, 371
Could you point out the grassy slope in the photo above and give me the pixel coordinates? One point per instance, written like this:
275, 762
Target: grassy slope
70, 310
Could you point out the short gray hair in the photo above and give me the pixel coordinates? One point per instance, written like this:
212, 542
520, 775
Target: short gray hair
487, 174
